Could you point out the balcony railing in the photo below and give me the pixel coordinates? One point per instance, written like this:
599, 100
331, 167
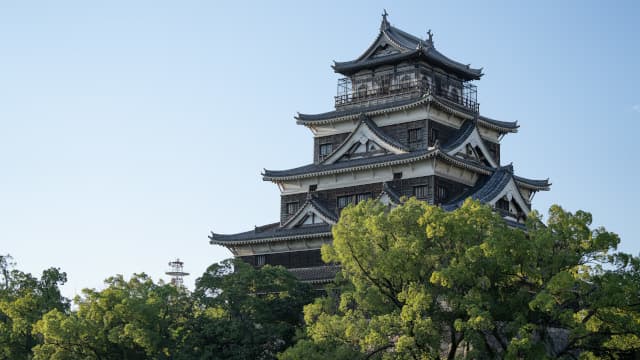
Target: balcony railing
390, 87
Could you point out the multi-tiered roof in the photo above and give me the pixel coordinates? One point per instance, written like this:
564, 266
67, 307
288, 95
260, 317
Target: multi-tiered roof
406, 123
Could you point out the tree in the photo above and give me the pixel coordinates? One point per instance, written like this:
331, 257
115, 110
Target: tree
422, 283
134, 319
245, 313
23, 301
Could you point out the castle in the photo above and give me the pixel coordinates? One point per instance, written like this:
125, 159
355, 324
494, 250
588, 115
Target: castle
406, 123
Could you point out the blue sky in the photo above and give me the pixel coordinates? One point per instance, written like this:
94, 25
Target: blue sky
129, 130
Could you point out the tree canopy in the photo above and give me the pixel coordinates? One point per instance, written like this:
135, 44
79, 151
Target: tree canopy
24, 299
235, 312
416, 283
422, 283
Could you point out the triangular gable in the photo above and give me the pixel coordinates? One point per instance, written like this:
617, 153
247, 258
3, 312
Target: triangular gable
475, 142
311, 213
383, 45
512, 193
389, 196
384, 50
365, 140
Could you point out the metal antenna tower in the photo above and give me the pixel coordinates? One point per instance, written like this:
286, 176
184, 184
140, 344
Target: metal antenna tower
177, 273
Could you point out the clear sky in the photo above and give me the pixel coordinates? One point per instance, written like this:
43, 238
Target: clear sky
131, 129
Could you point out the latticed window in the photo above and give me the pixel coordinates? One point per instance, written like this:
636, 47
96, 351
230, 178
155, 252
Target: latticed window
343, 201
502, 204
415, 135
325, 149
441, 193
434, 134
292, 207
261, 260
363, 197
420, 191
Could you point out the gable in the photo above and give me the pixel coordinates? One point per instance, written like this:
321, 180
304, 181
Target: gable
473, 147
366, 140
309, 214
384, 50
511, 193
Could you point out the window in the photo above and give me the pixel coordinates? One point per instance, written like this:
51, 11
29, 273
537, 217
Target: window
441, 193
363, 197
313, 187
397, 176
434, 135
261, 260
325, 149
343, 201
292, 207
420, 191
415, 135
502, 204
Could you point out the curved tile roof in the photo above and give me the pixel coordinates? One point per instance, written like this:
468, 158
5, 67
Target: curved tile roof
485, 190
318, 206
393, 194
368, 163
316, 274
365, 121
350, 112
409, 46
509, 126
271, 233
533, 184
461, 136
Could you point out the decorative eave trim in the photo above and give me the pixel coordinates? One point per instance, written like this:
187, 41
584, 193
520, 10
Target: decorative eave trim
227, 243
317, 281
493, 126
432, 153
511, 188
425, 99
376, 135
422, 100
306, 208
533, 187
474, 138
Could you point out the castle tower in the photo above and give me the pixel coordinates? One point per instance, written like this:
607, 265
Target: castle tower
406, 123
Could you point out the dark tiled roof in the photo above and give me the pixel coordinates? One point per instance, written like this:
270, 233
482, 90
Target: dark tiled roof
364, 120
317, 274
393, 194
533, 184
484, 190
380, 160
304, 118
462, 135
271, 232
319, 206
509, 126
370, 162
381, 134
409, 46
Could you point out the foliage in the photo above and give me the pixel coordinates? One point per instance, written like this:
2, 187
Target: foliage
24, 299
247, 313
423, 283
236, 312
135, 319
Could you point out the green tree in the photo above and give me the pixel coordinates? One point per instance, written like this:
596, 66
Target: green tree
23, 301
245, 313
422, 283
134, 319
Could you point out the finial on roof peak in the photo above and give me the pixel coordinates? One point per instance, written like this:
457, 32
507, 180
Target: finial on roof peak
385, 23
430, 37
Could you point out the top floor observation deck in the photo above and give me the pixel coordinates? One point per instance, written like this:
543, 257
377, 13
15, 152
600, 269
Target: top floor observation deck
389, 87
